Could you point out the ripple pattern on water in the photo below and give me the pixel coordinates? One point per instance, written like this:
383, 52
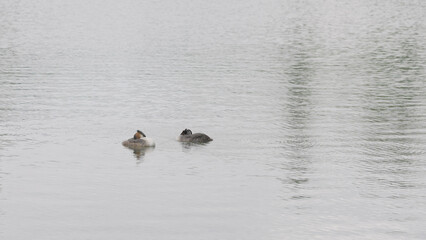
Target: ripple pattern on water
317, 110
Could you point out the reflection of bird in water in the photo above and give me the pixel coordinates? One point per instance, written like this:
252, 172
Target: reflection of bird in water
188, 147
188, 136
139, 140
139, 153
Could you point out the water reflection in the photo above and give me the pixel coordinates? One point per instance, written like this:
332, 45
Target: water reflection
288, 81
140, 152
392, 117
188, 147
298, 112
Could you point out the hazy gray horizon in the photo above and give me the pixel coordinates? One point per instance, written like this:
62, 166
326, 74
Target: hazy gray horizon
317, 110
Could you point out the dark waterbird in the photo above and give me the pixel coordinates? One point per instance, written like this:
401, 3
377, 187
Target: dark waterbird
188, 136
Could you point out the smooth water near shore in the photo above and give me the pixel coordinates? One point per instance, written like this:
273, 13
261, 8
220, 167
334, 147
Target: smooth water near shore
317, 110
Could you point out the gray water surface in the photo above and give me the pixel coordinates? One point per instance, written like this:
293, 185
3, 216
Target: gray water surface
317, 110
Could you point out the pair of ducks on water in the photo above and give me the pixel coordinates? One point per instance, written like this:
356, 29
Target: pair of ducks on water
141, 140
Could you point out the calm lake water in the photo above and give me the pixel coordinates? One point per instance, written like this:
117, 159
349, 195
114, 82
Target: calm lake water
317, 110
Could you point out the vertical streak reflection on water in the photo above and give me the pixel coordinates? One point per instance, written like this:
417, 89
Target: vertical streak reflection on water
317, 110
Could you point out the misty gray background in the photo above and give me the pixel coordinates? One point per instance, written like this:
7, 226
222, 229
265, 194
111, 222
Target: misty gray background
317, 110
